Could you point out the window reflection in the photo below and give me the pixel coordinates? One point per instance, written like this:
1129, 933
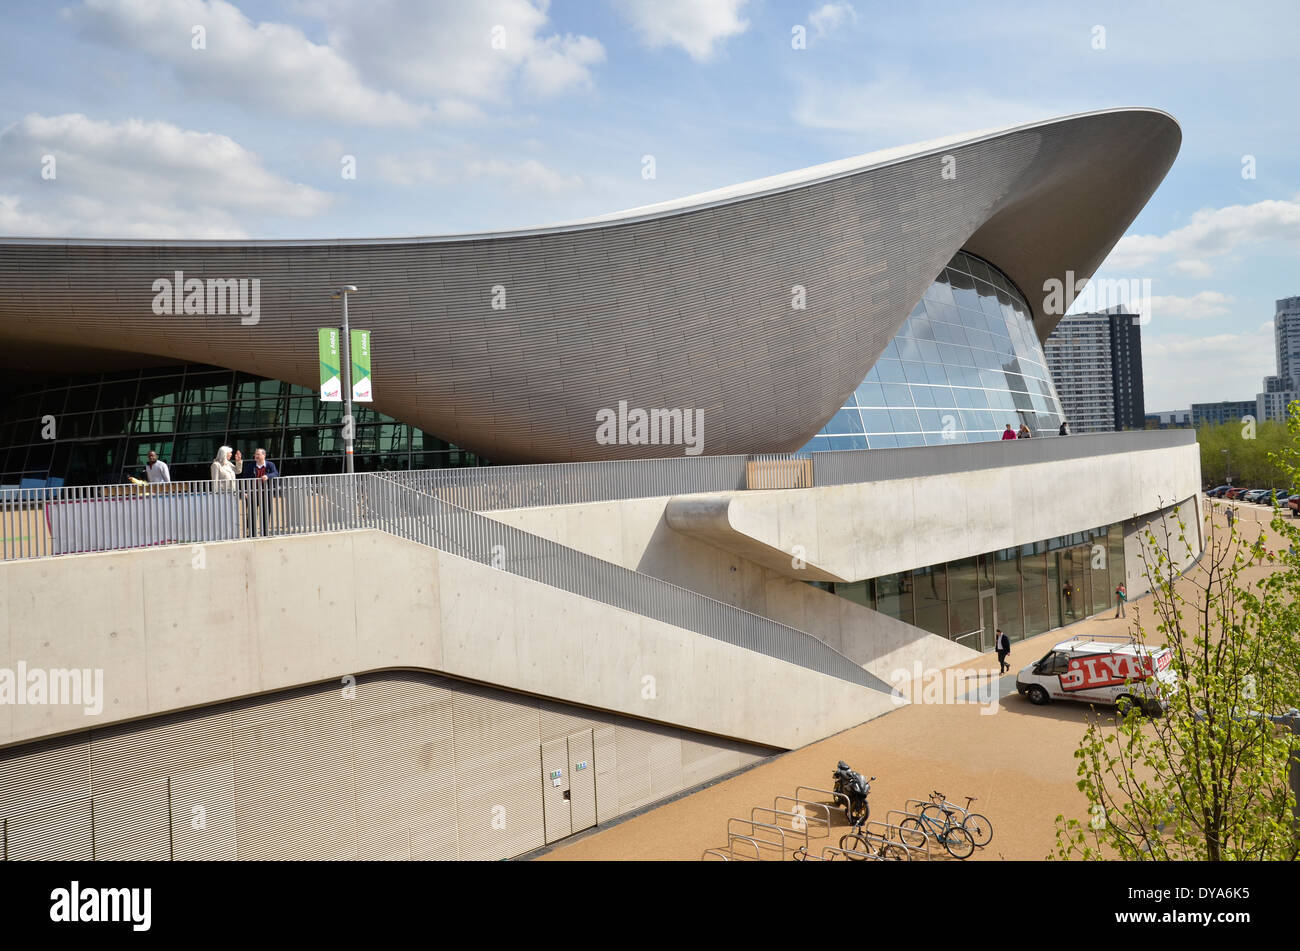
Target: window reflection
968, 345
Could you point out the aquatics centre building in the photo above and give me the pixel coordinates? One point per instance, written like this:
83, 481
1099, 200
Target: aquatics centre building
746, 466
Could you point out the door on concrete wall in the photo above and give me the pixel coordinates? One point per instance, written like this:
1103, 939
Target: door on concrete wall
582, 780
569, 784
988, 620
555, 790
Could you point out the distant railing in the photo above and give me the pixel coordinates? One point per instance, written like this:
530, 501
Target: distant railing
490, 488
38, 522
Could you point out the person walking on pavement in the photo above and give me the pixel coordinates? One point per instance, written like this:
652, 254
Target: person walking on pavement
1121, 598
1231, 514
1003, 644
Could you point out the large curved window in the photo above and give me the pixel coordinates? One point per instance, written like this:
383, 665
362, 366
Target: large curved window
965, 364
98, 428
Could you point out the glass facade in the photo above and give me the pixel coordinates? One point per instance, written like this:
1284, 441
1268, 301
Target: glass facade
1025, 591
966, 363
105, 424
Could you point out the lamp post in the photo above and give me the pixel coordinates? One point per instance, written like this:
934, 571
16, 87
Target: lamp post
348, 425
1227, 472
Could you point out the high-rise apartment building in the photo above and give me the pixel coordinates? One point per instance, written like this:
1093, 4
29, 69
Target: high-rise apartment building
1096, 363
1281, 389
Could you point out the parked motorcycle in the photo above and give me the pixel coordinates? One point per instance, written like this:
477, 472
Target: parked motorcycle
854, 788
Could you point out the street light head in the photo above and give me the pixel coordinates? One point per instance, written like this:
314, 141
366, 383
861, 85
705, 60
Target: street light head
345, 289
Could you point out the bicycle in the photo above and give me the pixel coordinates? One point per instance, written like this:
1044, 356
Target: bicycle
979, 827
858, 839
914, 830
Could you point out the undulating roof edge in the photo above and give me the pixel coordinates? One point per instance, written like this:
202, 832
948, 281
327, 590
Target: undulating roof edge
772, 184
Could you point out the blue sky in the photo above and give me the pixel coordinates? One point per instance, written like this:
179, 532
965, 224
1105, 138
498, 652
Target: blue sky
247, 135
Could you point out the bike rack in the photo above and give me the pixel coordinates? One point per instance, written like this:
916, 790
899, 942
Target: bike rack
836, 797
807, 804
794, 818
847, 853
718, 852
733, 839
753, 829
893, 836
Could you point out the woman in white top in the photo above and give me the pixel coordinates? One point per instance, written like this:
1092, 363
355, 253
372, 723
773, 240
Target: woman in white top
223, 471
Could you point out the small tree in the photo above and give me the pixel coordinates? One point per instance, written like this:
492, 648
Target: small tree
1210, 779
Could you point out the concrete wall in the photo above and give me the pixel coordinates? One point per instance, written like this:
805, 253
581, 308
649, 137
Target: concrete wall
176, 627
635, 533
740, 543
1183, 545
864, 530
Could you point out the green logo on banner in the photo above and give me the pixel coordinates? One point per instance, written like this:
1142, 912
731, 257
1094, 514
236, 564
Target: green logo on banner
361, 388
331, 389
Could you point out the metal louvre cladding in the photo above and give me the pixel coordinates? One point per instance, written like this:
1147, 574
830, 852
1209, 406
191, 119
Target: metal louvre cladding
412, 766
685, 305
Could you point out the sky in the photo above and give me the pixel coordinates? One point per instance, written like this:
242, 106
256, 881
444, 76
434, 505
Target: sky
343, 118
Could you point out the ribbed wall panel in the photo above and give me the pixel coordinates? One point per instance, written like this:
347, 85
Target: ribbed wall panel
605, 741
498, 774
411, 768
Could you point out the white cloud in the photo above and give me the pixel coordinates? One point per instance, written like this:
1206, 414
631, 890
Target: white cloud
528, 175
829, 16
270, 66
898, 110
137, 179
1211, 233
461, 53
694, 25
433, 168
1178, 370
1199, 306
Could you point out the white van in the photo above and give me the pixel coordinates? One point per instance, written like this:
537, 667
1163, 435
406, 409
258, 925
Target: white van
1113, 671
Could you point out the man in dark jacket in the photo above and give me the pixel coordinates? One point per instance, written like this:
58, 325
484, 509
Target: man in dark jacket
261, 471
1003, 644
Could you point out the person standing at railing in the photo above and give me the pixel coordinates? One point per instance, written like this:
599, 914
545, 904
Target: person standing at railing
156, 470
261, 471
1024, 432
223, 472
1008, 433
1065, 428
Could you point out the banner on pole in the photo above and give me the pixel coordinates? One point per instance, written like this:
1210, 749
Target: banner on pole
331, 388
361, 388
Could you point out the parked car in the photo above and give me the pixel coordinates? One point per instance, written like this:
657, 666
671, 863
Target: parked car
1237, 492
1293, 504
1255, 495
1217, 491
